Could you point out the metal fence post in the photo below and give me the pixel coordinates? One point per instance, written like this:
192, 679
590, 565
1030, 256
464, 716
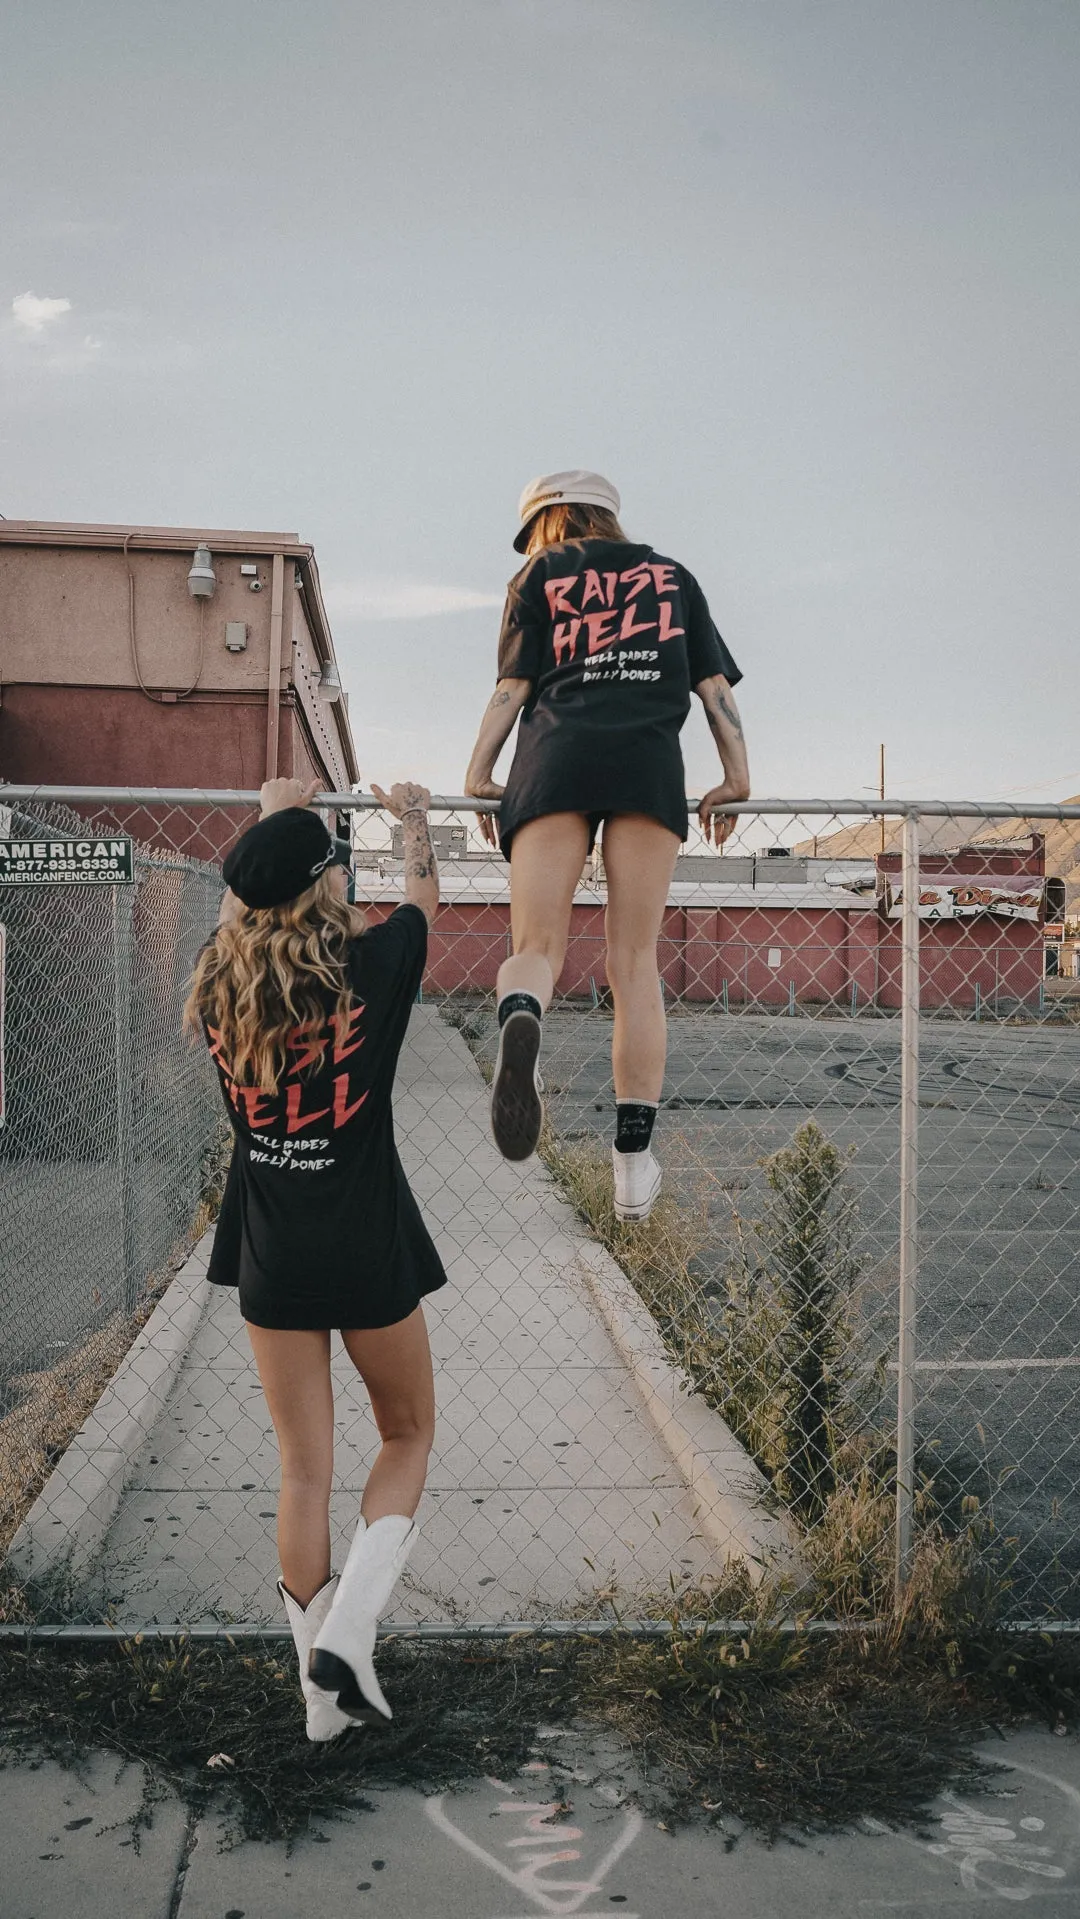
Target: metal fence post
909, 1201
123, 918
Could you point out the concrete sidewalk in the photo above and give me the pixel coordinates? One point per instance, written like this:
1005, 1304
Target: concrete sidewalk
549, 1485
564, 1836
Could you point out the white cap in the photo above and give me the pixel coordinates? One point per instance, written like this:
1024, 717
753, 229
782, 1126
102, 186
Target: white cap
575, 487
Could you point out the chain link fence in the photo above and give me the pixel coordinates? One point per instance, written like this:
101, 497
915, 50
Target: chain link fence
112, 1136
841, 1359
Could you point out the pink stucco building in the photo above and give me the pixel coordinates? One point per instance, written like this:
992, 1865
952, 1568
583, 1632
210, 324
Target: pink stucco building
112, 673
738, 934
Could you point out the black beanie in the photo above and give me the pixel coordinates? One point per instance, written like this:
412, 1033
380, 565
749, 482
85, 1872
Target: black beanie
278, 858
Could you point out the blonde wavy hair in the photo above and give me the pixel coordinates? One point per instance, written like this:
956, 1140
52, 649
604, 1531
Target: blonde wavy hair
553, 524
268, 971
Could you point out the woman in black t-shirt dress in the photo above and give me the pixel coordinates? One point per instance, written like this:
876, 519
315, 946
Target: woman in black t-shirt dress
603, 640
304, 1009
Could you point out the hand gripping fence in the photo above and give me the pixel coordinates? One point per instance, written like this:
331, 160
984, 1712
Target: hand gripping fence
840, 1363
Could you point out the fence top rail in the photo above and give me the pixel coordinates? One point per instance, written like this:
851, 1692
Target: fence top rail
462, 803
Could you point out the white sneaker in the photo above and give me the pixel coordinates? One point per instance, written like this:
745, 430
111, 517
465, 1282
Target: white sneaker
638, 1179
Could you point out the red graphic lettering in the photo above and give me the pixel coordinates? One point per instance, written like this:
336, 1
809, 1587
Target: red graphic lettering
610, 580
598, 636
565, 639
344, 1029
246, 1098
216, 1052
556, 596
343, 1112
310, 1043
665, 579
637, 578
295, 1120
628, 630
667, 631
593, 590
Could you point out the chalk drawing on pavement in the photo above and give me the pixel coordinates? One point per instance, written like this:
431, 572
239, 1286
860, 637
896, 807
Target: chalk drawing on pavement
998, 1856
538, 1843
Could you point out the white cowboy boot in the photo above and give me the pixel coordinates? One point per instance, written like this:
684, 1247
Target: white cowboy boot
324, 1719
638, 1179
342, 1659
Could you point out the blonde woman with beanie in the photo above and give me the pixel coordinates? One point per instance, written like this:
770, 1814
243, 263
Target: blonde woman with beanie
304, 1008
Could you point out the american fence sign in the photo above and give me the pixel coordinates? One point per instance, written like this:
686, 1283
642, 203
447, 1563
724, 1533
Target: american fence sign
58, 862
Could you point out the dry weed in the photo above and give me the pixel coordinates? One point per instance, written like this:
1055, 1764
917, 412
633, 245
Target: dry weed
731, 1354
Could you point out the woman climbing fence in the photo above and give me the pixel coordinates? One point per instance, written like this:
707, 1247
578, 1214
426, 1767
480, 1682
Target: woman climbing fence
304, 1009
603, 639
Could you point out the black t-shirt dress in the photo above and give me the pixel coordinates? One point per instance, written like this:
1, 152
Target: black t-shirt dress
613, 637
318, 1228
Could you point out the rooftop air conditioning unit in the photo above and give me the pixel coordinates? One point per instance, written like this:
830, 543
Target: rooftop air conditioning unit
448, 842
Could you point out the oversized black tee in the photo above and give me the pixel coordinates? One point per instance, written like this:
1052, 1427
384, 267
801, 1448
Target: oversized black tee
613, 636
318, 1227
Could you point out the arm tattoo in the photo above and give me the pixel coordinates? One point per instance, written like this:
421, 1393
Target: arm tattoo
419, 855
499, 699
729, 711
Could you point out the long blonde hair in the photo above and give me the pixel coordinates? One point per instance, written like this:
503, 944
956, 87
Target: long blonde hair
268, 971
554, 524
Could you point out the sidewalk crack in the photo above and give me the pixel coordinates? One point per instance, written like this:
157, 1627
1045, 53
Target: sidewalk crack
186, 1850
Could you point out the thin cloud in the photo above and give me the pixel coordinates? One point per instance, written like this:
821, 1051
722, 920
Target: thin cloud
33, 313
88, 230
839, 570
112, 342
387, 599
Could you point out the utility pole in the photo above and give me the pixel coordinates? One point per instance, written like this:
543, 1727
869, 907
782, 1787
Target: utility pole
881, 789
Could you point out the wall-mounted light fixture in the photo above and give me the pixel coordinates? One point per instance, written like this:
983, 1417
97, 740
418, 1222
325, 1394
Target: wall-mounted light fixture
202, 579
330, 682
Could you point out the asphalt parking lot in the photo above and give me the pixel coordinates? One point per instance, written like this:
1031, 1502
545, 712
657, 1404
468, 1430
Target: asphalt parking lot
62, 1231
998, 1337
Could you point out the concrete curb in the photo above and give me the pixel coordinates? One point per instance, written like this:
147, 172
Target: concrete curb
67, 1524
720, 1472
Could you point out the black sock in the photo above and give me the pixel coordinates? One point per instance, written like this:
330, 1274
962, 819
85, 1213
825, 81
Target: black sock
518, 1003
633, 1125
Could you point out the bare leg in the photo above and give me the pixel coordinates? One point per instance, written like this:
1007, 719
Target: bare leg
639, 859
394, 1363
546, 860
295, 1372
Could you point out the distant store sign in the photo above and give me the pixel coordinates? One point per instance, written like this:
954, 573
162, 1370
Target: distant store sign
51, 862
955, 896
1054, 932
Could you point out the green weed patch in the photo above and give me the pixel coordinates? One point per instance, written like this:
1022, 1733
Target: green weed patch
787, 1733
